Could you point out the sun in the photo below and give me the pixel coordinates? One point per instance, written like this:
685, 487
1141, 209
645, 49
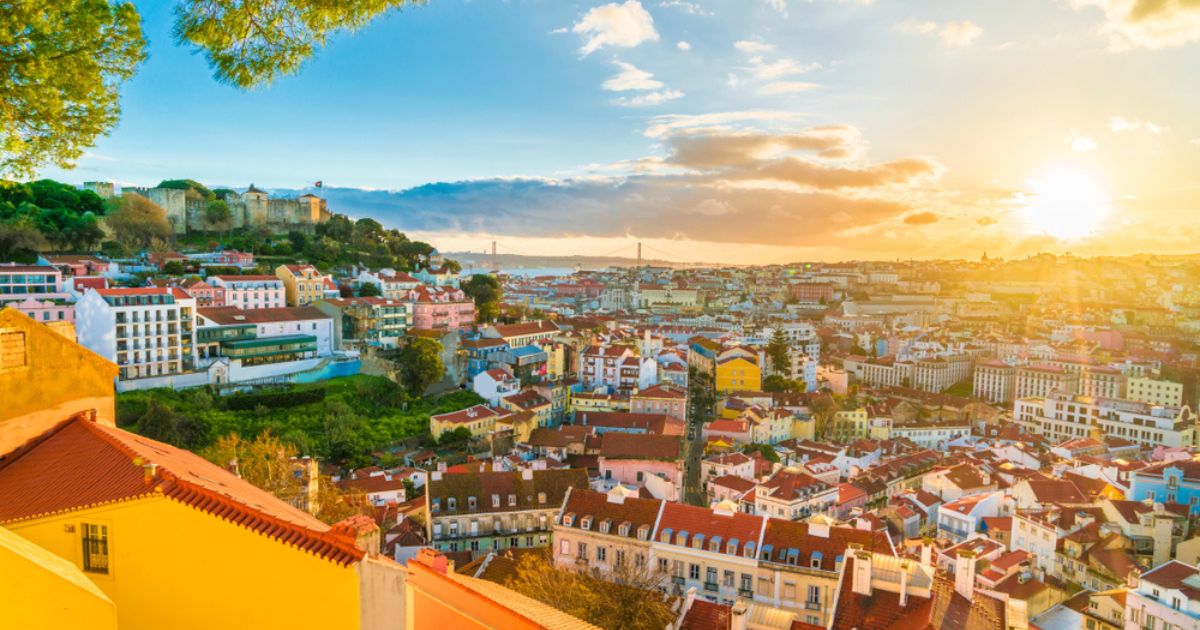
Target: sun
1066, 204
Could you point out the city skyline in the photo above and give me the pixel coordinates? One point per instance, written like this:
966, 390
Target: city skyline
743, 133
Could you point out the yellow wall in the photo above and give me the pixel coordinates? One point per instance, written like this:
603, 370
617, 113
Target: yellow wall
42, 590
738, 374
59, 379
851, 424
478, 428
173, 566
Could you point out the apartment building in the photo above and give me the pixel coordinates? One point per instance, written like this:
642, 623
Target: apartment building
616, 369
1100, 381
21, 282
368, 321
391, 284
147, 331
665, 399
253, 291
793, 494
1165, 597
262, 336
304, 284
995, 381
606, 532
1041, 380
1155, 392
489, 511
1061, 416
441, 308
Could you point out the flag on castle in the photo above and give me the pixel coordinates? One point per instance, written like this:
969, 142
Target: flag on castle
318, 183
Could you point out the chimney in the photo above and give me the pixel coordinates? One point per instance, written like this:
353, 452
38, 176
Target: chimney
862, 573
904, 566
149, 469
927, 552
232, 467
738, 620
964, 573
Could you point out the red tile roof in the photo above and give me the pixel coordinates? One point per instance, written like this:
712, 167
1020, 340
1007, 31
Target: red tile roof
817, 546
618, 445
707, 616
631, 511
81, 463
679, 518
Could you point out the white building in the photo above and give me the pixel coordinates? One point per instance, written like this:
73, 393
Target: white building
995, 381
1041, 380
147, 331
251, 291
1165, 597
1061, 417
1155, 392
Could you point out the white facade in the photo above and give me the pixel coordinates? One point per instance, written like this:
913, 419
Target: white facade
147, 331
1155, 392
1061, 417
994, 382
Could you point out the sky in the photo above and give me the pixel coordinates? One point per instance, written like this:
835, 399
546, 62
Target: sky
740, 131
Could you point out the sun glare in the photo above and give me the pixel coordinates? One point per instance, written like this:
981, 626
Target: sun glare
1066, 204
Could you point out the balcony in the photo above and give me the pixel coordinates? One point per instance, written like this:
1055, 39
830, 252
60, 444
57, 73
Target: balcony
745, 592
678, 580
812, 605
711, 586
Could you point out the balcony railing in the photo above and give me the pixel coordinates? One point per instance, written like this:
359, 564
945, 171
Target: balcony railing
710, 586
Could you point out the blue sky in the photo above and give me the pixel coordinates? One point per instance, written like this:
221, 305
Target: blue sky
693, 125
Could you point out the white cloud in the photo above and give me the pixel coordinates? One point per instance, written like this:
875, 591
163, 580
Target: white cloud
753, 47
631, 78
684, 46
648, 99
1081, 143
1119, 124
959, 34
949, 34
780, 68
691, 8
778, 5
712, 208
1147, 23
621, 25
786, 87
667, 123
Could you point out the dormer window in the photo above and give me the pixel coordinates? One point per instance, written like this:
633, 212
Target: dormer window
604, 525
623, 529
512, 500
542, 498
568, 519
452, 504
495, 500
643, 532
585, 522
714, 546
437, 505
470, 503
681, 539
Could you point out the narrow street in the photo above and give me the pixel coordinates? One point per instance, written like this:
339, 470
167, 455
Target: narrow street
699, 412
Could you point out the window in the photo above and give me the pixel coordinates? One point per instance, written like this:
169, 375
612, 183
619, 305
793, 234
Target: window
95, 548
747, 582
814, 594
582, 550
470, 503
12, 349
620, 557
727, 579
694, 571
601, 554
512, 500
451, 504
564, 547
662, 565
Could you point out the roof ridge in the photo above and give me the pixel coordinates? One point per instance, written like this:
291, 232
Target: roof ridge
8, 458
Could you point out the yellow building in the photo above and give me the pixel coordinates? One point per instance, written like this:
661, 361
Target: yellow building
849, 425
42, 590
583, 402
532, 402
302, 284
177, 542
738, 373
45, 377
480, 420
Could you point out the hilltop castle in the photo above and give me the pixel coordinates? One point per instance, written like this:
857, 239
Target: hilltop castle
185, 209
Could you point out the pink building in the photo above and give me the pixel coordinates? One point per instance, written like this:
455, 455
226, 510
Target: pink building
45, 310
234, 258
206, 294
251, 291
78, 265
631, 460
21, 282
441, 308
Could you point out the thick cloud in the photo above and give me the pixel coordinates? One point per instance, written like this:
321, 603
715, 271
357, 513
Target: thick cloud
622, 25
1148, 23
808, 186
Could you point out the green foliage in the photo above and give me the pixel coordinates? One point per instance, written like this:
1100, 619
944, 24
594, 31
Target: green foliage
777, 352
62, 63
189, 185
419, 365
250, 44
46, 215
217, 215
962, 388
457, 436
369, 289
777, 383
351, 417
486, 291
765, 450
173, 268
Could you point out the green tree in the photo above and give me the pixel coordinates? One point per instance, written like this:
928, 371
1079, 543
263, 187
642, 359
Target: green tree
189, 185
777, 352
368, 289
217, 216
62, 64
419, 365
139, 223
158, 422
486, 291
20, 239
173, 268
629, 600
459, 435
765, 450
